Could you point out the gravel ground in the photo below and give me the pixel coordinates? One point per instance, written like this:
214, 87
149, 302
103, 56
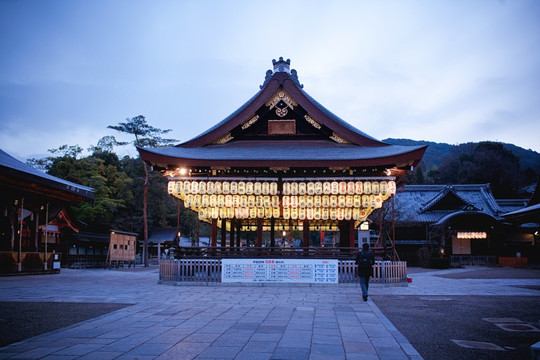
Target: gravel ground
21, 320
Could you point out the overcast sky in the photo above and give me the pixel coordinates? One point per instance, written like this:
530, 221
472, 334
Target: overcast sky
443, 71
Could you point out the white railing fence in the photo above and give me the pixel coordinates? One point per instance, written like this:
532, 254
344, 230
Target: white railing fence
209, 270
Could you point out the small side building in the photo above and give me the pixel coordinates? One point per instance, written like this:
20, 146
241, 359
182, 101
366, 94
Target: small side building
122, 248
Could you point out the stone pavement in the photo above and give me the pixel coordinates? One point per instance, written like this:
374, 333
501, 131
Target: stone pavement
225, 322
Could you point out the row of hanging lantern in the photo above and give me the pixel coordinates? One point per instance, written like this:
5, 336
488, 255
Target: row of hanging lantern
285, 213
294, 188
296, 201
338, 188
306, 201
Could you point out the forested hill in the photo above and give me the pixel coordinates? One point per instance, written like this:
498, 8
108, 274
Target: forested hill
437, 151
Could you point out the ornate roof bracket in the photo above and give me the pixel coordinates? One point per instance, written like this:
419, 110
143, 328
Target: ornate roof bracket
224, 139
312, 121
281, 95
339, 139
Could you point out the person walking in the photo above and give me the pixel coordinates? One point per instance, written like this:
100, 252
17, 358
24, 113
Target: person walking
365, 260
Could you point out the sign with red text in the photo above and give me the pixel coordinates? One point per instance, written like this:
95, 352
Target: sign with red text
316, 271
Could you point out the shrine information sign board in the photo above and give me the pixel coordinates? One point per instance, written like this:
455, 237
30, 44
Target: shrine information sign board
318, 271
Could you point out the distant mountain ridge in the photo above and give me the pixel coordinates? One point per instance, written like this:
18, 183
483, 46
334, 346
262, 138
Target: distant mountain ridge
437, 151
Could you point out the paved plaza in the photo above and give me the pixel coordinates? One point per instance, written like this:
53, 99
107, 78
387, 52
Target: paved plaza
227, 322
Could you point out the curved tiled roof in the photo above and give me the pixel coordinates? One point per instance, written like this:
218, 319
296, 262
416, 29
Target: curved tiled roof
13, 168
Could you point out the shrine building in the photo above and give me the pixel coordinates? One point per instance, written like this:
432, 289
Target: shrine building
283, 162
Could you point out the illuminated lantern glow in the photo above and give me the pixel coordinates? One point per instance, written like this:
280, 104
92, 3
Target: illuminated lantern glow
302, 201
171, 187
202, 187
236, 201
244, 201
197, 201
384, 187
210, 187
251, 201
275, 201
309, 201
309, 213
202, 214
367, 187
294, 188
273, 188
334, 187
230, 212
325, 201
234, 187
317, 213
392, 187
317, 201
286, 213
205, 201
188, 201
180, 187
222, 213
268, 213
253, 213
302, 189
356, 214
318, 188
301, 214
333, 201
257, 188
311, 188
348, 213
357, 201
258, 200
241, 187
349, 201
221, 200
378, 202
238, 213
342, 187
365, 201
333, 214
187, 187
265, 188
358, 188
226, 187
351, 188
194, 187
294, 213
213, 200
229, 201
294, 201
327, 188
218, 188
275, 212
341, 201
286, 201
286, 188
260, 213
215, 213
324, 213
375, 188
249, 188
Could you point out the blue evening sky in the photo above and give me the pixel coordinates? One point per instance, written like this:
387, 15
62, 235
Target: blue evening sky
444, 71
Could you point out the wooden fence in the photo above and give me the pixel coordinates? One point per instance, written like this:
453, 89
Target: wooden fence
209, 270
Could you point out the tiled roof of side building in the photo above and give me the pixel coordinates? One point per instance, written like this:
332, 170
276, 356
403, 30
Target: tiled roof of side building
410, 202
9, 166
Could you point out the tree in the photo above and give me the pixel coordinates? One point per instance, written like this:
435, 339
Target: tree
145, 136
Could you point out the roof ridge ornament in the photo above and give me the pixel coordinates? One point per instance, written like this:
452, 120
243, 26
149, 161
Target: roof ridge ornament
282, 66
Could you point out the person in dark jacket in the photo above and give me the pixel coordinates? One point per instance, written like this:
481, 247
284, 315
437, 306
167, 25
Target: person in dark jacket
365, 260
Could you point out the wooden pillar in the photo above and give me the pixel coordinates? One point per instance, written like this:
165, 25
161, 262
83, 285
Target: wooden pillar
351, 234
238, 233
177, 237
223, 233
259, 232
213, 236
305, 238
272, 233
231, 234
